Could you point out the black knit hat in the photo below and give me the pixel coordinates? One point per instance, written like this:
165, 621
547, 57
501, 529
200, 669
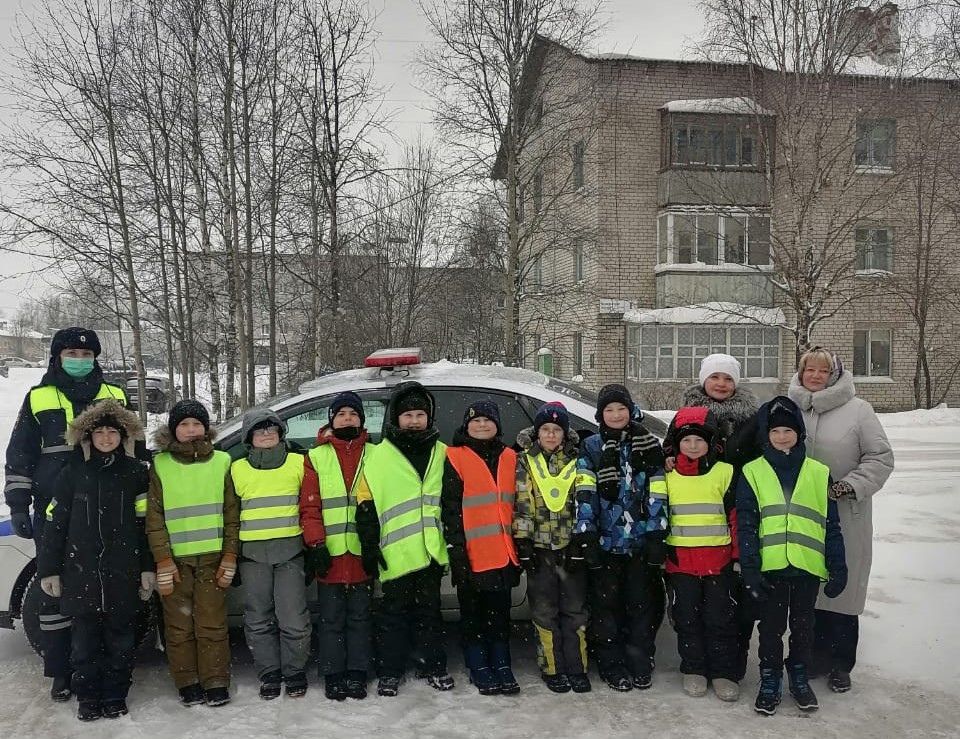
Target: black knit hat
74, 338
188, 409
552, 413
781, 411
482, 409
612, 394
410, 396
347, 399
108, 421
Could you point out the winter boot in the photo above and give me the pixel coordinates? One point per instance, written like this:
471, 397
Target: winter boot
726, 690
839, 681
579, 682
296, 685
89, 710
557, 683
800, 688
695, 685
335, 686
388, 686
115, 708
217, 697
356, 684
270, 685
617, 678
500, 662
441, 681
770, 688
191, 695
60, 689
482, 676
642, 682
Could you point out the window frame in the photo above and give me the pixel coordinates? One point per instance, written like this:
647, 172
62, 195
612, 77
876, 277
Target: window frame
707, 138
579, 262
578, 353
578, 175
868, 352
865, 249
864, 150
667, 230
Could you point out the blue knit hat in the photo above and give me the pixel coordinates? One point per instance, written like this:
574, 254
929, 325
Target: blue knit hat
482, 409
347, 399
553, 412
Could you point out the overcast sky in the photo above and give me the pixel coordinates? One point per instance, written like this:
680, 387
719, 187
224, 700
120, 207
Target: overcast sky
651, 28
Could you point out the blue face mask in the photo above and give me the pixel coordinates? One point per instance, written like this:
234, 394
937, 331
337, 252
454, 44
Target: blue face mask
77, 368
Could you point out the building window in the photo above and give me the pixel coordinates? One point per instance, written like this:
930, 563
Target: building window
709, 238
702, 142
578, 353
876, 143
578, 151
871, 352
578, 271
874, 249
538, 192
657, 352
535, 273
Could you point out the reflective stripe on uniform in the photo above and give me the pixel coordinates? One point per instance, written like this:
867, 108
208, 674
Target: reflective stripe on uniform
707, 530
187, 537
140, 505
56, 449
203, 509
269, 498
17, 482
788, 537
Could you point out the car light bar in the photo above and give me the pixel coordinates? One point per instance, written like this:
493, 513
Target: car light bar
393, 357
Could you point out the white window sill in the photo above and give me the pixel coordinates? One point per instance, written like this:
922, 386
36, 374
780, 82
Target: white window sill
874, 273
872, 380
872, 169
723, 267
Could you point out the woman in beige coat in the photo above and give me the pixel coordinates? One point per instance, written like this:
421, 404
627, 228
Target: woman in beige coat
844, 433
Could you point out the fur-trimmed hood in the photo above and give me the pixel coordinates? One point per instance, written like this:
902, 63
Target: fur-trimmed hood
737, 409
83, 425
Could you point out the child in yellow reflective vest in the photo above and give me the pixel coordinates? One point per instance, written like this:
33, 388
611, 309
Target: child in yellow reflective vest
790, 541
193, 526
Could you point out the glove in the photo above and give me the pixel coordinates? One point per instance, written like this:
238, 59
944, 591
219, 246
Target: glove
669, 463
459, 565
22, 524
588, 544
525, 554
226, 570
655, 550
318, 562
148, 583
756, 585
841, 489
372, 560
167, 575
51, 585
835, 585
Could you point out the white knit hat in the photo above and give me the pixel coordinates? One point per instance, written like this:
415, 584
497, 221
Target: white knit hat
720, 363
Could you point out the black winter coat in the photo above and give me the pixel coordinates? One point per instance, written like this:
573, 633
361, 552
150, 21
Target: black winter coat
93, 537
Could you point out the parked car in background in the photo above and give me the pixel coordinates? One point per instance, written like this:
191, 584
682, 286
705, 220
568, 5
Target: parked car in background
20, 362
160, 397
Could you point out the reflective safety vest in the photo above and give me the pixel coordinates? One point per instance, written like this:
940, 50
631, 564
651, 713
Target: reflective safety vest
193, 502
554, 489
408, 508
339, 506
52, 398
697, 515
269, 499
792, 533
487, 507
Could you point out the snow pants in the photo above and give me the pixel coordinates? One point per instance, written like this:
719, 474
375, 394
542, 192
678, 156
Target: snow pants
747, 616
626, 607
195, 625
276, 621
559, 613
55, 639
344, 633
791, 599
836, 636
704, 617
410, 618
103, 647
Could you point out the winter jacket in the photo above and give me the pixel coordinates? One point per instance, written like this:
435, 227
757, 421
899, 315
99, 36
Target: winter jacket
787, 468
93, 538
30, 472
845, 434
532, 519
451, 512
733, 415
188, 453
622, 524
345, 568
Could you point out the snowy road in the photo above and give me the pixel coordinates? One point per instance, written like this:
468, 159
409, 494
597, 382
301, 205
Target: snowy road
906, 685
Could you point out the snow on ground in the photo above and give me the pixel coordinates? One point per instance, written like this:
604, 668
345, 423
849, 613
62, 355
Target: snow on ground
906, 684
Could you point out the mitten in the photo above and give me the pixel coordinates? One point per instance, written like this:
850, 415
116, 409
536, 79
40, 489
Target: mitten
372, 560
525, 554
842, 488
167, 575
22, 524
148, 583
51, 585
645, 450
226, 570
589, 545
459, 565
655, 550
319, 561
756, 585
836, 584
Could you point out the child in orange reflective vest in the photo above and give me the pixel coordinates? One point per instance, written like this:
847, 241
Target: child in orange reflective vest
479, 484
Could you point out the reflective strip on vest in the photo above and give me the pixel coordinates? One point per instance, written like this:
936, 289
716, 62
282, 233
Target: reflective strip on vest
193, 502
339, 507
554, 489
791, 533
408, 508
269, 499
140, 505
52, 398
487, 507
698, 517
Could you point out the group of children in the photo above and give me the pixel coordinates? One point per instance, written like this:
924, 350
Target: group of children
738, 530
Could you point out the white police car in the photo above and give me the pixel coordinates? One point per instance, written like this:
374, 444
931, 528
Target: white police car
518, 393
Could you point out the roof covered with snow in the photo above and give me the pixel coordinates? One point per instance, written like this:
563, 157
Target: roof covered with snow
708, 313
729, 106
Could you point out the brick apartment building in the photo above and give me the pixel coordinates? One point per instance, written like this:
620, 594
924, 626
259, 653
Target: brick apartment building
677, 180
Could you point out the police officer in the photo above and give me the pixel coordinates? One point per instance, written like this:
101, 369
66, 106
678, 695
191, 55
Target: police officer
35, 455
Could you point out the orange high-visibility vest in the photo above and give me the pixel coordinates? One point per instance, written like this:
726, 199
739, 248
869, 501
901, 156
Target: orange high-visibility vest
487, 507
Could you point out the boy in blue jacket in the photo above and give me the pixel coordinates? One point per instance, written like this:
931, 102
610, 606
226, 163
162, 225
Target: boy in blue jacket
620, 531
790, 541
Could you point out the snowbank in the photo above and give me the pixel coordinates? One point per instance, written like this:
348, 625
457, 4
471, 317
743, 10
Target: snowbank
708, 313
